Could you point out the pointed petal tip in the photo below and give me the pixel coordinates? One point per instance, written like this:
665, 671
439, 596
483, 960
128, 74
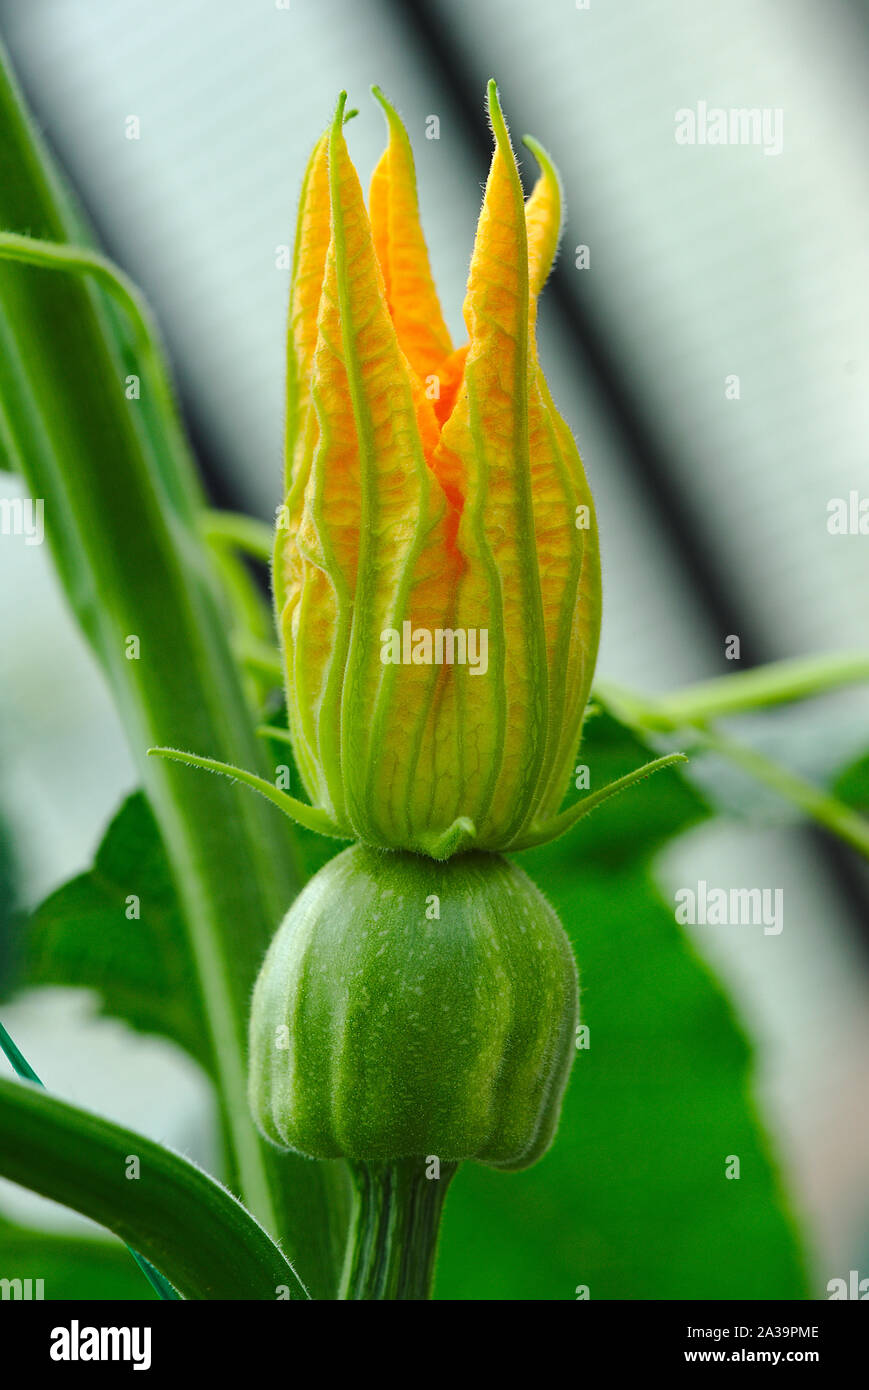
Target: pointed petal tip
539, 153
544, 214
544, 159
497, 120
335, 133
393, 119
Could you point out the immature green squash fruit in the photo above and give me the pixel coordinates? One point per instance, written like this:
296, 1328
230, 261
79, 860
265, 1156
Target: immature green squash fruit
408, 1007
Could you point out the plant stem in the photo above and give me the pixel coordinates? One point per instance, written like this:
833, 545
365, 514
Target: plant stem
827, 810
694, 707
777, 683
263, 657
256, 538
394, 1233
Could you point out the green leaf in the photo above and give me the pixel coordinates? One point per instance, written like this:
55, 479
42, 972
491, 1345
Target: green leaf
541, 834
140, 967
8, 889
180, 1219
632, 1199
70, 1266
852, 785
23, 1069
122, 509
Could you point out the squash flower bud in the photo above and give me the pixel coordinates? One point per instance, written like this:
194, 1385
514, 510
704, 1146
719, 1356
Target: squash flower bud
436, 567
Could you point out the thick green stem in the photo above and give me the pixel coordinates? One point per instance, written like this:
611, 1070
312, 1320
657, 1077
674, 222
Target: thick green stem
393, 1238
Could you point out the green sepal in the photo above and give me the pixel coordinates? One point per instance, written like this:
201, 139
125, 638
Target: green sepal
559, 825
311, 817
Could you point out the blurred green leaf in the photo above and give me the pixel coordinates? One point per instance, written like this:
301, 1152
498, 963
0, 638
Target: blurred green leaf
852, 785
180, 1219
632, 1200
8, 889
140, 966
71, 1266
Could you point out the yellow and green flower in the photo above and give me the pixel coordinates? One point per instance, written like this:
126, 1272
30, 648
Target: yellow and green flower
436, 570
433, 501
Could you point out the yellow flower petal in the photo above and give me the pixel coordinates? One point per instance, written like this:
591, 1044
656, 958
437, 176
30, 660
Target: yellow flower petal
487, 435
301, 427
371, 508
543, 213
309, 259
401, 250
569, 567
567, 556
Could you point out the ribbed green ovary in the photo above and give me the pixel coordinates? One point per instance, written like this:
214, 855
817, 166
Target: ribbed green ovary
379, 1032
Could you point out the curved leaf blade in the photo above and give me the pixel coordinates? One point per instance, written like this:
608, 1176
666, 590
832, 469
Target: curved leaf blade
183, 1221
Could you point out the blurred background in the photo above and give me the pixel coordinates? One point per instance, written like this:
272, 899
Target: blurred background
708, 348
